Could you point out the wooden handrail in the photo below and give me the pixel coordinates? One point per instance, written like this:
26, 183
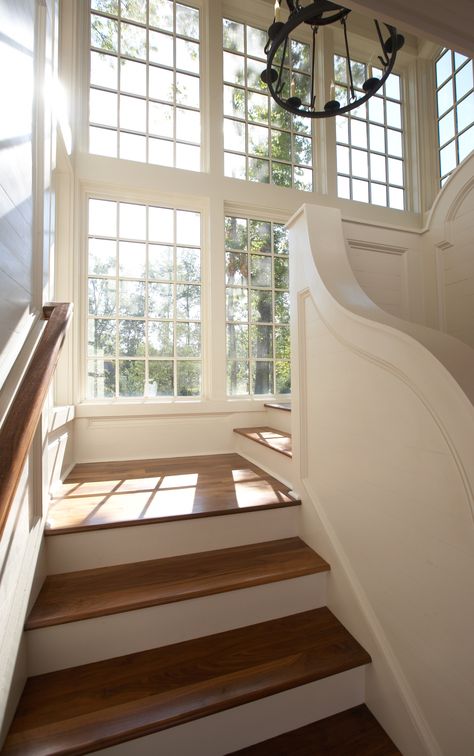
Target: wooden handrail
18, 429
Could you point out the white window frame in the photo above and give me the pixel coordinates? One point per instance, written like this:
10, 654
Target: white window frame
85, 76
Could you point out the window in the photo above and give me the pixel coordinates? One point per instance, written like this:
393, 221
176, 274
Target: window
144, 82
369, 138
258, 332
455, 102
262, 141
144, 329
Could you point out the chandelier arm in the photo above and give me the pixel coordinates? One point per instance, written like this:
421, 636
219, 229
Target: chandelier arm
348, 55
313, 61
384, 59
279, 83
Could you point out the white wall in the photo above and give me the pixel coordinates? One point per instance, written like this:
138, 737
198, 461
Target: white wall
28, 57
383, 439
17, 302
450, 241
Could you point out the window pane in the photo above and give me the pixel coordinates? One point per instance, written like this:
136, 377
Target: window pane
464, 80
102, 297
101, 337
466, 143
132, 338
448, 158
102, 256
131, 377
465, 112
160, 339
101, 379
237, 378
188, 339
444, 68
446, 128
160, 378
132, 259
233, 35
102, 218
189, 378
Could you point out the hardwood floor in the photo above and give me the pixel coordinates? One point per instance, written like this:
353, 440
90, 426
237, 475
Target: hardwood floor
86, 708
108, 590
274, 439
114, 494
354, 732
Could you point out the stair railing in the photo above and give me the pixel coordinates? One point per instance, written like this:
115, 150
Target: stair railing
21, 421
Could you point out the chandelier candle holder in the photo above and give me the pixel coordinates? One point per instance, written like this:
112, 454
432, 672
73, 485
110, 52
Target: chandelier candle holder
315, 15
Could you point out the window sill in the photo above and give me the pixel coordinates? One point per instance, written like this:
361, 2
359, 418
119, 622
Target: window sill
147, 407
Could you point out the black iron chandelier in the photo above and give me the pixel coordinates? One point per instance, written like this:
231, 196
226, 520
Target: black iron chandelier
315, 15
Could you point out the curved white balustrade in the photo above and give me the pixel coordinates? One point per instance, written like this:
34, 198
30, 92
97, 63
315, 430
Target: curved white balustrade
383, 437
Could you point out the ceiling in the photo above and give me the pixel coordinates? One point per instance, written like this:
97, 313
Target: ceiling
448, 23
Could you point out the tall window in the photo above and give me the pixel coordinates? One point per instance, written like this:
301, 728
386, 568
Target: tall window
262, 141
455, 101
258, 332
144, 82
369, 138
144, 328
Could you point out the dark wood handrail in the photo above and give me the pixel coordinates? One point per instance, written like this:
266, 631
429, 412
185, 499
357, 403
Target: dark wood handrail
18, 429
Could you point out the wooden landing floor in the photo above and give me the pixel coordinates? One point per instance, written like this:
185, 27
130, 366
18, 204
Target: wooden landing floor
115, 494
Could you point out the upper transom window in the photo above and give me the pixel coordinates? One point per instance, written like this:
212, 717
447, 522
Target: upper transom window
369, 138
144, 82
455, 102
262, 141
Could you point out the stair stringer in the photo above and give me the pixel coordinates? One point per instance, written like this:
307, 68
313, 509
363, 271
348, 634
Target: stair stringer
339, 332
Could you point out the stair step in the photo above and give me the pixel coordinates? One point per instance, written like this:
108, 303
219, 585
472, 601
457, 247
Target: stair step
86, 708
353, 732
118, 494
91, 593
285, 406
270, 437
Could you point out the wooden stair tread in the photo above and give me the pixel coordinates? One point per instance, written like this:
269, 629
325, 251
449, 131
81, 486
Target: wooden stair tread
107, 590
271, 437
285, 406
90, 707
119, 494
354, 732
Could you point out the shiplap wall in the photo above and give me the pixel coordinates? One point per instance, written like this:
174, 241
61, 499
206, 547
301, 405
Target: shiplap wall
17, 56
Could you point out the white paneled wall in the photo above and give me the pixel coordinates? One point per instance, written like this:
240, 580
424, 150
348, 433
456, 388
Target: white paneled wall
381, 275
450, 239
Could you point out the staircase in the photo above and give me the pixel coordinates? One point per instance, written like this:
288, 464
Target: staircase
182, 615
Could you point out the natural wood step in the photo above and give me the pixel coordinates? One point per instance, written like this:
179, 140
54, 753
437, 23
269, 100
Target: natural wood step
354, 732
270, 437
118, 494
86, 708
285, 406
108, 590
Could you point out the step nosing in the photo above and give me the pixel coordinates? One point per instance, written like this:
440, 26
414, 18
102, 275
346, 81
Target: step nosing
88, 594
84, 528
173, 599
168, 686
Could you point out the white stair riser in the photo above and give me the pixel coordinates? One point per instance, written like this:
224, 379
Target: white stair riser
75, 643
273, 462
99, 548
251, 723
279, 419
